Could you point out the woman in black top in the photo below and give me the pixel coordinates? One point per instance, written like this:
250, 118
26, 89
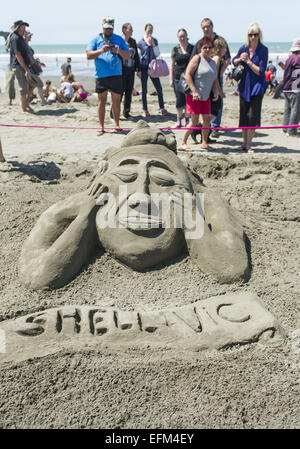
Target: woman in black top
180, 57
129, 67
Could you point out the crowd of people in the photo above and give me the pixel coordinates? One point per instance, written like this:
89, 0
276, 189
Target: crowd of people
196, 75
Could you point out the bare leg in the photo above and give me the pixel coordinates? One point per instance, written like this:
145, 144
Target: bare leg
102, 98
250, 136
2, 158
188, 132
116, 101
41, 95
205, 132
24, 104
245, 138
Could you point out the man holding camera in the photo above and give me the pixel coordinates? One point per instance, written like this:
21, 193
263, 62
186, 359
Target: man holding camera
107, 49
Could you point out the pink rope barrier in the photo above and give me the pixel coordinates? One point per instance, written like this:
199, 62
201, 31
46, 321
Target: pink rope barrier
163, 128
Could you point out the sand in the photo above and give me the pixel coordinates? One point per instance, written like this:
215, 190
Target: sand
250, 386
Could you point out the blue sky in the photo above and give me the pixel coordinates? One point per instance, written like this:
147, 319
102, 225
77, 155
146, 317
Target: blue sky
76, 22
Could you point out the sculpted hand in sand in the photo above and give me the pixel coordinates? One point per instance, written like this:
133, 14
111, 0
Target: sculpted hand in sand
134, 209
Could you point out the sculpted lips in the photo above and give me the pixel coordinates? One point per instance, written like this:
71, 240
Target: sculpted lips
142, 224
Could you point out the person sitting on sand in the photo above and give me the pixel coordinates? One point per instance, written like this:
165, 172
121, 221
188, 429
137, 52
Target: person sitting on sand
46, 89
66, 90
79, 93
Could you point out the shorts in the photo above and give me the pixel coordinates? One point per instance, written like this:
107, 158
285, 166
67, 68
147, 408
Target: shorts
197, 107
36, 81
83, 95
22, 80
112, 83
250, 112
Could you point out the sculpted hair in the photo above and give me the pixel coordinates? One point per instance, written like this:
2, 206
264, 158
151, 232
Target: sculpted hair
254, 28
207, 20
204, 41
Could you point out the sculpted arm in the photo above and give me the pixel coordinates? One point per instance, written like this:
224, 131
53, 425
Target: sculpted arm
60, 243
221, 249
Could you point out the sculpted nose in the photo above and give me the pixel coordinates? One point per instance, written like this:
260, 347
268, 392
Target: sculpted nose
140, 201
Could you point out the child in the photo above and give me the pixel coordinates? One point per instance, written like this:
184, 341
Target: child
46, 89
66, 90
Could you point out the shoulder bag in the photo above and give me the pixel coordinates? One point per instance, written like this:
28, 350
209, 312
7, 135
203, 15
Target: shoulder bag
157, 68
183, 86
237, 72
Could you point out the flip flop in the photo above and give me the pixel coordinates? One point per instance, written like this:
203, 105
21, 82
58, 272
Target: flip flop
185, 147
208, 148
242, 148
101, 132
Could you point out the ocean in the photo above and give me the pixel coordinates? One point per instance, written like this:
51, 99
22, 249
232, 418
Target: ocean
54, 55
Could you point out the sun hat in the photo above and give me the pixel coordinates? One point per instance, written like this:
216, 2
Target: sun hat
296, 44
108, 22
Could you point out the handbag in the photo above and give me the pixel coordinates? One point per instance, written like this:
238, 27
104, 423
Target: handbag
36, 67
238, 71
183, 86
157, 68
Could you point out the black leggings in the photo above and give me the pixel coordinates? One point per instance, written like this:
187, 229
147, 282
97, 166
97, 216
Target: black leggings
250, 112
128, 82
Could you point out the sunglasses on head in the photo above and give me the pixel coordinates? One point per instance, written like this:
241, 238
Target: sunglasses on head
252, 34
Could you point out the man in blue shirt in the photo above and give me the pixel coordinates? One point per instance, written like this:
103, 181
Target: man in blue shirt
19, 61
107, 49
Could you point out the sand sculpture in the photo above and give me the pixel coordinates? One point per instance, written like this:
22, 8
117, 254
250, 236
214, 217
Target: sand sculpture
218, 322
135, 233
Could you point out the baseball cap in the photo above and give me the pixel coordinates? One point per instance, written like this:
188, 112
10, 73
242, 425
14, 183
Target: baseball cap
19, 23
108, 22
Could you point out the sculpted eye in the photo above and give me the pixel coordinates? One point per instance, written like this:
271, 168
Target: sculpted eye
162, 177
125, 174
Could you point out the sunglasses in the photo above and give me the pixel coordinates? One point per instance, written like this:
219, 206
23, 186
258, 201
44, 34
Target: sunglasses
252, 34
207, 48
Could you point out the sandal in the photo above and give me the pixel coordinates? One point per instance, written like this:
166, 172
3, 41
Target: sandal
242, 148
101, 132
208, 148
185, 147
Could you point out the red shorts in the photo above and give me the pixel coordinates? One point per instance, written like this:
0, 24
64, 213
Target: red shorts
197, 106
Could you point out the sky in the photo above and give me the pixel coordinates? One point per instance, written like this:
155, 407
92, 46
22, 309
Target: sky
76, 22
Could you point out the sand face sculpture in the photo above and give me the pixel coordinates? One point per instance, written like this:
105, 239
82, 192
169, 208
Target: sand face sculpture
144, 206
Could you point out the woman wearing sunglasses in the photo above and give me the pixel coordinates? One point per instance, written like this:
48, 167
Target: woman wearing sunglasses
201, 76
254, 57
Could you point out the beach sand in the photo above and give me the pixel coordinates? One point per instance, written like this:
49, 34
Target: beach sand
246, 386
